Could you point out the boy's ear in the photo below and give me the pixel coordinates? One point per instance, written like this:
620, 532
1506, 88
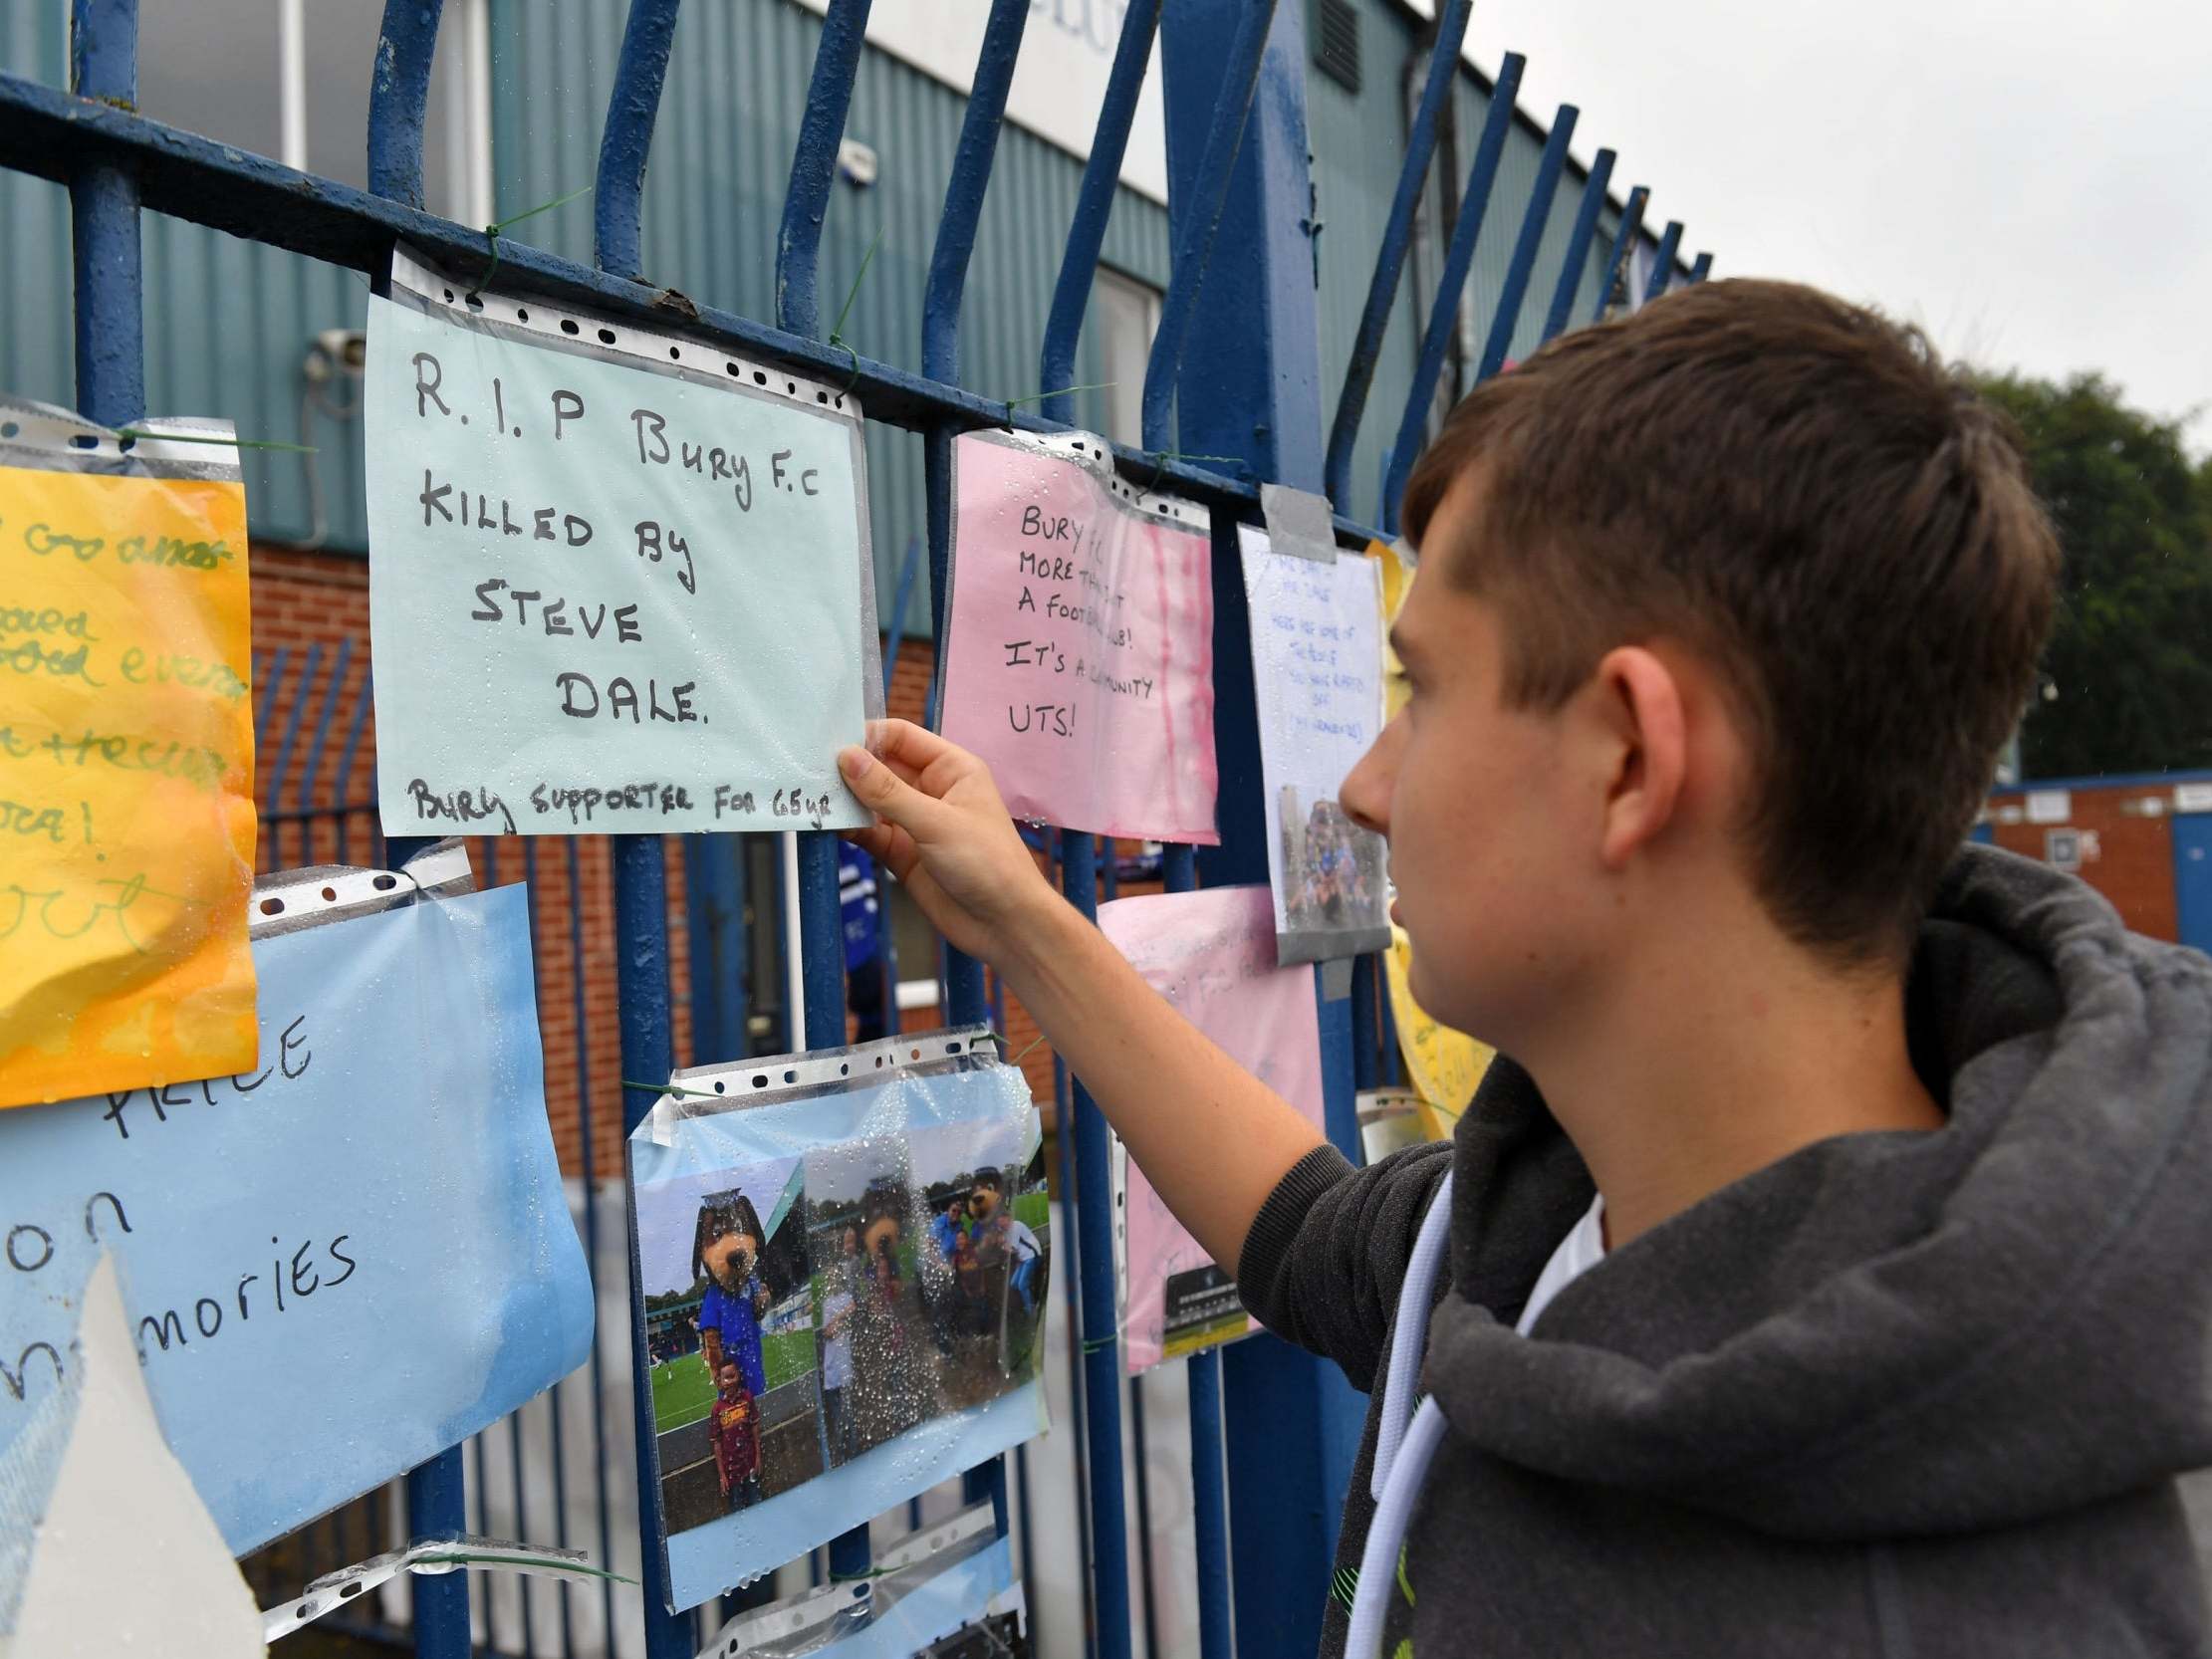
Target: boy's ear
1638, 701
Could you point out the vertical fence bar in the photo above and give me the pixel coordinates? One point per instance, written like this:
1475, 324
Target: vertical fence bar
1195, 231
949, 258
1102, 176
1397, 236
1701, 269
1534, 218
1577, 245
398, 93
641, 862
1071, 1294
318, 746
280, 772
814, 166
104, 224
588, 1173
648, 1055
345, 780
1098, 1311
1294, 1433
1459, 257
399, 98
1624, 244
1662, 263
618, 198
1209, 1493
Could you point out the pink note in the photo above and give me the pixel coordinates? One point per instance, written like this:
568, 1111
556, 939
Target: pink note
1079, 658
1212, 955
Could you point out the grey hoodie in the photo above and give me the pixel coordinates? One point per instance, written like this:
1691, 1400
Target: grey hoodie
1897, 1394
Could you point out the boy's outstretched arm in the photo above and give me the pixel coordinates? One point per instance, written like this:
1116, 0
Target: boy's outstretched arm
1212, 1138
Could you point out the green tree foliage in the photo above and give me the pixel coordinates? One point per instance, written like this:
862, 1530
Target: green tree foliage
2127, 683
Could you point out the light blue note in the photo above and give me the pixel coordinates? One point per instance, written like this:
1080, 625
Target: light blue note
335, 1264
606, 598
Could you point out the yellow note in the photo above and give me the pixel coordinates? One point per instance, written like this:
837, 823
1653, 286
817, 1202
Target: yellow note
1443, 1065
126, 817
1397, 577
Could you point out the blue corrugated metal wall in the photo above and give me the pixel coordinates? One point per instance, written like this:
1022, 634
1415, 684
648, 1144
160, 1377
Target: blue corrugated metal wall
1357, 141
229, 323
737, 84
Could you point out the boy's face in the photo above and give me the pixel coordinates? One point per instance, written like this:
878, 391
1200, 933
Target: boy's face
1489, 812
731, 1378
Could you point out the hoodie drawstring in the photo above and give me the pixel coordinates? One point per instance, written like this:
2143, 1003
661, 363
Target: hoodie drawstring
1405, 1440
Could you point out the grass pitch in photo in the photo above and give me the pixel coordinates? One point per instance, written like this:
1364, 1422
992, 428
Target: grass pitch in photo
730, 1334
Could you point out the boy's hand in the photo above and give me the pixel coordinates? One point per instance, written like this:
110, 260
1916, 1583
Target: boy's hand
944, 834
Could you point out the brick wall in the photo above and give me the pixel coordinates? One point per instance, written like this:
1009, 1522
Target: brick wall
2126, 853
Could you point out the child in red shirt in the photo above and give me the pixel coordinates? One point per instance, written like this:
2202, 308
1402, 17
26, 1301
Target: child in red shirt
734, 1427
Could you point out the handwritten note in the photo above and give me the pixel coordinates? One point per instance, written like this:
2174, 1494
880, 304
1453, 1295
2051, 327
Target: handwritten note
1316, 673
1079, 662
607, 598
336, 1262
1212, 955
126, 819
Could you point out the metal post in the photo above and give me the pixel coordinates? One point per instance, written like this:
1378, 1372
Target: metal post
1624, 244
1251, 379
104, 224
813, 166
1459, 258
1577, 245
1397, 236
1525, 246
1662, 263
641, 862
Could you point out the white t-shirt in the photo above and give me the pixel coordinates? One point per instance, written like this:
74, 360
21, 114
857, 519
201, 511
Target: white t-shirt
1577, 1252
837, 1351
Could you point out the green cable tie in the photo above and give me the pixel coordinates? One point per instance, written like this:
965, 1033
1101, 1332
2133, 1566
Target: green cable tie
491, 232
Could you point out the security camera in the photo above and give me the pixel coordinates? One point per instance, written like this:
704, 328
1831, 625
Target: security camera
338, 351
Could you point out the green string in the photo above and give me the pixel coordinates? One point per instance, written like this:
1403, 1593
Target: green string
837, 329
491, 231
1040, 396
140, 433
1160, 463
1002, 1042
1097, 1345
582, 1569
675, 1088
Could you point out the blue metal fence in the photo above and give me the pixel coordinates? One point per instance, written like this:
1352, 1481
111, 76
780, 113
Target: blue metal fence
1233, 377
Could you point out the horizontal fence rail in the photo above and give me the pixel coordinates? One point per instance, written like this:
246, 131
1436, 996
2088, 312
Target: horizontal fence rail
644, 957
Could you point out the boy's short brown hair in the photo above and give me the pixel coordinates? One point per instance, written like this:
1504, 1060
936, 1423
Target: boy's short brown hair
1803, 493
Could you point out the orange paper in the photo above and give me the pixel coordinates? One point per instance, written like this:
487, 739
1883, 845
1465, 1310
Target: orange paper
126, 817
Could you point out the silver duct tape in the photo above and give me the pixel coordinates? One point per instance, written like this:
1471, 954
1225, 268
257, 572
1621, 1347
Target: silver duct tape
1299, 522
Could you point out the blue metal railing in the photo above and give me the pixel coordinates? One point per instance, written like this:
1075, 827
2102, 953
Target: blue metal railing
1239, 116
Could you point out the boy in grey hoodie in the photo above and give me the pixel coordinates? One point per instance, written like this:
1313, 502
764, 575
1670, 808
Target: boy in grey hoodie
1826, 1271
